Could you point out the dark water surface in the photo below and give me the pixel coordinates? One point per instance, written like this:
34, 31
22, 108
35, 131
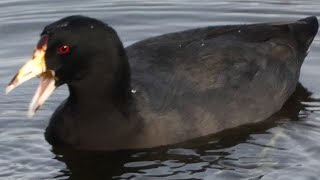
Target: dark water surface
285, 147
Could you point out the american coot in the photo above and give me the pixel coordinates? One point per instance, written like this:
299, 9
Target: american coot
166, 89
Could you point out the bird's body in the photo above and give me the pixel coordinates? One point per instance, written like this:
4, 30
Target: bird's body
179, 86
191, 87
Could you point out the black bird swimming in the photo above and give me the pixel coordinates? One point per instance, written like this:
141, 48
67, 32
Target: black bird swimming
166, 89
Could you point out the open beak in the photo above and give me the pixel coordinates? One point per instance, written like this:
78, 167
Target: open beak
36, 66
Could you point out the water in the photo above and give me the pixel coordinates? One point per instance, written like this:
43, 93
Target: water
287, 146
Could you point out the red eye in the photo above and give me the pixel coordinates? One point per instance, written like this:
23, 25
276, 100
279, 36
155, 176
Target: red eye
64, 49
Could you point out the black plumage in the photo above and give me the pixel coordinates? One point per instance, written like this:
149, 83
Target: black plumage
170, 88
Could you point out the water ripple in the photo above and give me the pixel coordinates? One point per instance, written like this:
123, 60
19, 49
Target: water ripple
286, 147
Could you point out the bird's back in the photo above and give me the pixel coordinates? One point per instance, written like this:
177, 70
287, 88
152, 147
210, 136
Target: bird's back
201, 81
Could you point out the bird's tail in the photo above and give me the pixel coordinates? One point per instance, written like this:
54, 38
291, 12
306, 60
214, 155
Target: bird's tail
305, 30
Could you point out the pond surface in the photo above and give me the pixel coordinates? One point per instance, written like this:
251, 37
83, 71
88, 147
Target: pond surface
287, 146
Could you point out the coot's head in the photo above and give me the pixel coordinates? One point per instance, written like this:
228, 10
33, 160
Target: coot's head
80, 51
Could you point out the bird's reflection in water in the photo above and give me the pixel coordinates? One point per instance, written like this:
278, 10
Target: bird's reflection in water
194, 159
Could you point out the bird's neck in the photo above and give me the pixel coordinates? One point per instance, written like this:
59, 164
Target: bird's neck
96, 98
102, 90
